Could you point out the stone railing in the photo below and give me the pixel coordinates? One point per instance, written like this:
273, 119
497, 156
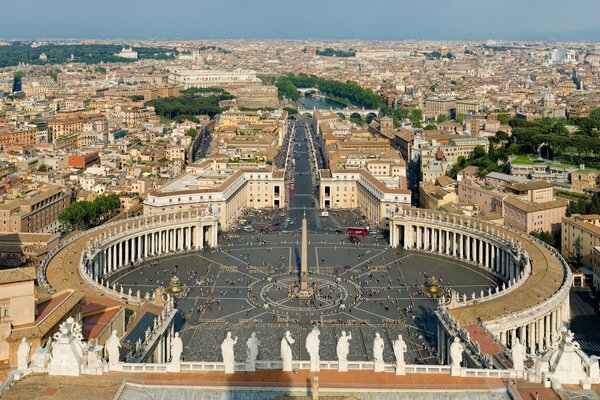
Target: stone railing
200, 366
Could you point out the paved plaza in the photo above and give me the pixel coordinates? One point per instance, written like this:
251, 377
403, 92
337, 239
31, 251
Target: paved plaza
362, 288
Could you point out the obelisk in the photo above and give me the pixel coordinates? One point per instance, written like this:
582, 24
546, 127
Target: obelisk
304, 259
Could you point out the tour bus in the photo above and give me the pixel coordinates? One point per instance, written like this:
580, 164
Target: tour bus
357, 231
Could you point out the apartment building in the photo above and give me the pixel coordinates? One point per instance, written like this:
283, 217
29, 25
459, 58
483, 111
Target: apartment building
580, 235
17, 303
585, 180
210, 78
529, 216
225, 188
19, 136
35, 211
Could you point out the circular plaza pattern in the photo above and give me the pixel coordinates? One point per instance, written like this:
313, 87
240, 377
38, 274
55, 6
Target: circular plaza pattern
331, 294
244, 287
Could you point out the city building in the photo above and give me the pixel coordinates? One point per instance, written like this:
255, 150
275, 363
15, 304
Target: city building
36, 211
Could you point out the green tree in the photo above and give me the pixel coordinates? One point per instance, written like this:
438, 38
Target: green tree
501, 136
191, 133
503, 118
441, 118
416, 116
594, 206
430, 127
545, 236
460, 117
577, 243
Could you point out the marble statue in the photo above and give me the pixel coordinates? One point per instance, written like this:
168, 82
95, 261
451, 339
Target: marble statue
456, 350
41, 356
378, 345
227, 352
67, 350
252, 352
23, 355
518, 355
342, 350
286, 351
176, 349
93, 360
312, 347
113, 344
399, 351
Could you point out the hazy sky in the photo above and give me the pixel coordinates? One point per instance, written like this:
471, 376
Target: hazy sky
300, 19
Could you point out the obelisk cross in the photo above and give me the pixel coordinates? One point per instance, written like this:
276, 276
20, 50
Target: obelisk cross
304, 256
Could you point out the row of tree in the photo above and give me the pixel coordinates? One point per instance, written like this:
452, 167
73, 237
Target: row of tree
329, 52
22, 52
345, 92
81, 214
190, 103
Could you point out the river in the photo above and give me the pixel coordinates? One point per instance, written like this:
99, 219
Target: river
318, 103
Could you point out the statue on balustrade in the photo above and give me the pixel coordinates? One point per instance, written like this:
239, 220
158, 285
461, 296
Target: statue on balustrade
399, 351
342, 350
227, 352
176, 349
113, 344
456, 350
286, 351
252, 351
518, 355
23, 355
378, 345
312, 347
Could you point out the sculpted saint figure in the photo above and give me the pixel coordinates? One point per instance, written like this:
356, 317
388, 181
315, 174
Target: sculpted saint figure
518, 355
227, 352
176, 349
456, 350
399, 351
113, 344
378, 345
23, 355
252, 352
312, 347
286, 351
342, 350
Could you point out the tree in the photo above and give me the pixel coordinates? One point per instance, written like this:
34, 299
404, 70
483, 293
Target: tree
545, 236
441, 118
191, 133
460, 118
43, 168
503, 118
594, 206
578, 246
416, 116
430, 127
502, 136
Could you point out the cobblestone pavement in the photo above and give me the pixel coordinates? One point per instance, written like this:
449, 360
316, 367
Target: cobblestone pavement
363, 288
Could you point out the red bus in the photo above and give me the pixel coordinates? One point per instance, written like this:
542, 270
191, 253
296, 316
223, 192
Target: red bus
357, 231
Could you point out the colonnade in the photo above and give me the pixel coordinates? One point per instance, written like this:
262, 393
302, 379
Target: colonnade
497, 251
451, 242
144, 242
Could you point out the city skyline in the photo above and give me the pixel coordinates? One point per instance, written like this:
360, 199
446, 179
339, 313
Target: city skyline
310, 20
